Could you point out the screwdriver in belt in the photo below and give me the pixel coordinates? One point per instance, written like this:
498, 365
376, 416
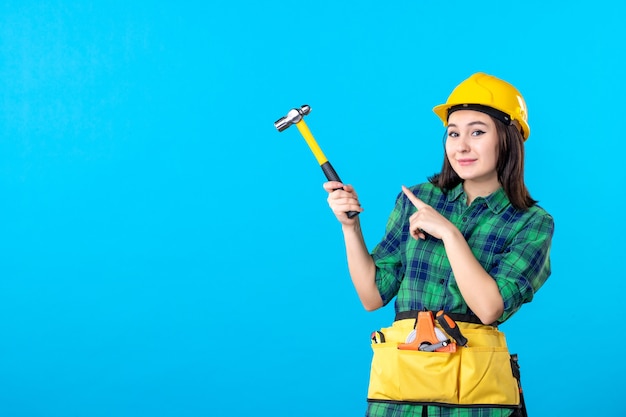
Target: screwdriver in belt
451, 328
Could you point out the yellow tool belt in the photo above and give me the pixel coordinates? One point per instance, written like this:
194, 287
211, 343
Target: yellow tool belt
479, 374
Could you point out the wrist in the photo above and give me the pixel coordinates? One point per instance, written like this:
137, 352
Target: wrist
353, 226
452, 234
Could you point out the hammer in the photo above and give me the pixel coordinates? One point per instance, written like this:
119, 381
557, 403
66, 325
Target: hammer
295, 116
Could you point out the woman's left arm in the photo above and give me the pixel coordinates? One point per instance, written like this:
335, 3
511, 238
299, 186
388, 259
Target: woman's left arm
479, 290
488, 294
496, 294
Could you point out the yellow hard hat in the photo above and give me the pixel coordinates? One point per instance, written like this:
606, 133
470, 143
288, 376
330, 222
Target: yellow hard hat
483, 90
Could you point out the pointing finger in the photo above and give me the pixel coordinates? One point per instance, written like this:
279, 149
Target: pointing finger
416, 201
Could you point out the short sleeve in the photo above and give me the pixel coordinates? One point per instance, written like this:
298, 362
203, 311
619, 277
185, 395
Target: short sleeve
525, 265
387, 254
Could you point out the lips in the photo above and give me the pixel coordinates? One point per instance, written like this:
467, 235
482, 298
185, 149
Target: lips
465, 161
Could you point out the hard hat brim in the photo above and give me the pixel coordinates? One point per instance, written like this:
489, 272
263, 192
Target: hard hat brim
442, 112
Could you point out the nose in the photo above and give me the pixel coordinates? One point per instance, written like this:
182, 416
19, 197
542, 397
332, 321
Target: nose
461, 144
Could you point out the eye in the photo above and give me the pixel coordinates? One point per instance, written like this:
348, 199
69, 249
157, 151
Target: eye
453, 134
478, 133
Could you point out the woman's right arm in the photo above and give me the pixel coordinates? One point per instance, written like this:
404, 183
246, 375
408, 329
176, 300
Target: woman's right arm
341, 199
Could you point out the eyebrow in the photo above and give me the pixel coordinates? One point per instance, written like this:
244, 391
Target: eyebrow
477, 122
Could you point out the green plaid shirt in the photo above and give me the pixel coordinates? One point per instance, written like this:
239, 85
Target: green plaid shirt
512, 245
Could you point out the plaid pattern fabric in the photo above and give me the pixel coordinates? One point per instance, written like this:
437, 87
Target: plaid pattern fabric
512, 245
401, 410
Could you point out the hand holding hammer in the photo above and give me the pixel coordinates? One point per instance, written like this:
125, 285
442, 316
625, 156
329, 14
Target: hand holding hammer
295, 116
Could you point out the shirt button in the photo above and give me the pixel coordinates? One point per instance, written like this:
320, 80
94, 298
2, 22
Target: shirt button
464, 219
441, 281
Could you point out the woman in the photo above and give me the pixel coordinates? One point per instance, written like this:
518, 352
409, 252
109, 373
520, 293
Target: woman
470, 242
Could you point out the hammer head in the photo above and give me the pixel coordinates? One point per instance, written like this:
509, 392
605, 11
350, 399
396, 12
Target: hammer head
294, 116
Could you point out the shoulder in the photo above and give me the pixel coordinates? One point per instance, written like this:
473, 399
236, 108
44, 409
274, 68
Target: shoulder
540, 215
537, 212
535, 218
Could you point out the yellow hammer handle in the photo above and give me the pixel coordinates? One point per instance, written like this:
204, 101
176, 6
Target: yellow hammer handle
328, 169
310, 140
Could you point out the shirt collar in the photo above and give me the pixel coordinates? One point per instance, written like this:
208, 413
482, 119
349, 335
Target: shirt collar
496, 201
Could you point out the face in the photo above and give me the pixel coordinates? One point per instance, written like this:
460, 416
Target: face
472, 147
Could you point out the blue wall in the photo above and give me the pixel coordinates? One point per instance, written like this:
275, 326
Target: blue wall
165, 252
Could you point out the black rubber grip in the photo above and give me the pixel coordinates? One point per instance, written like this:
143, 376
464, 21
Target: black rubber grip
331, 175
451, 328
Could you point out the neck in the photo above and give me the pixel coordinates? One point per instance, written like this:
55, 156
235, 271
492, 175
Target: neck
473, 190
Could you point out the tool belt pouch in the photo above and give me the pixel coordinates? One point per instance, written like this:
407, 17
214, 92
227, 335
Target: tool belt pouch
480, 374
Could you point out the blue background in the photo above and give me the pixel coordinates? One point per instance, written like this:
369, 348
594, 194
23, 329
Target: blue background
165, 252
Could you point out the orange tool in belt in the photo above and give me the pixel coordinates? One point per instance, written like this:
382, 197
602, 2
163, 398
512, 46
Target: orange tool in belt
425, 336
450, 327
